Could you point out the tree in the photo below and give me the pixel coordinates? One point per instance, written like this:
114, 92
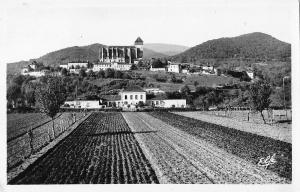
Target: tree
219, 71
82, 73
49, 97
101, 74
183, 59
156, 63
259, 93
201, 102
109, 73
196, 83
90, 65
90, 73
13, 93
39, 65
126, 76
28, 92
64, 72
118, 74
185, 90
140, 104
140, 64
133, 67
19, 79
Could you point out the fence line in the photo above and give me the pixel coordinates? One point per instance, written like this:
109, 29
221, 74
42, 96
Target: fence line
245, 115
35, 127
30, 142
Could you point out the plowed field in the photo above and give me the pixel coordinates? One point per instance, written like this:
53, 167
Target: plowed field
248, 146
101, 150
181, 157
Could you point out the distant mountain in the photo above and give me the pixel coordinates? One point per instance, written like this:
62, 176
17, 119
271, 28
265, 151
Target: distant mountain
76, 53
250, 46
148, 54
256, 45
166, 49
83, 53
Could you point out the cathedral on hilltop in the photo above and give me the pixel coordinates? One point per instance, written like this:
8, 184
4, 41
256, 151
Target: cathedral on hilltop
122, 54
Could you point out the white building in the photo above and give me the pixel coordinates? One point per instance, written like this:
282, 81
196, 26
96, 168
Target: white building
185, 71
24, 70
208, 68
167, 103
157, 69
34, 73
174, 67
153, 90
84, 104
127, 98
115, 66
33, 66
133, 95
75, 71
207, 73
250, 74
71, 65
64, 66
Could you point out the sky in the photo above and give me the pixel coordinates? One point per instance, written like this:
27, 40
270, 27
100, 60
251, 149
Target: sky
33, 28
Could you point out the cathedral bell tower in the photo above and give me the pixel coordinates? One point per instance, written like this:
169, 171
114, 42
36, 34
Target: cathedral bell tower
139, 46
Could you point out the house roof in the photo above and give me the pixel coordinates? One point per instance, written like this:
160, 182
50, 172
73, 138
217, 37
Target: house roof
119, 46
133, 89
159, 97
118, 63
111, 97
138, 40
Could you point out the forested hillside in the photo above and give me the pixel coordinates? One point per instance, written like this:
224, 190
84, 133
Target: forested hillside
253, 46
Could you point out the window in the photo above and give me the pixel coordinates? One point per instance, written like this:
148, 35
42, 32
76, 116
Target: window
126, 97
141, 96
131, 97
136, 97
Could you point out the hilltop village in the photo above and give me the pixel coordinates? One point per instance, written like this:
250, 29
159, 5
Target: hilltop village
130, 77
124, 61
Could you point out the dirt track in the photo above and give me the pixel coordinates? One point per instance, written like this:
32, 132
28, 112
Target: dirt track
179, 157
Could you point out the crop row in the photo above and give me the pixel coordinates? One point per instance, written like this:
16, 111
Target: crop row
183, 158
245, 145
102, 149
173, 167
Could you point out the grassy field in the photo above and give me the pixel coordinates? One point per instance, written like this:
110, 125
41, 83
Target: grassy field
203, 80
209, 80
103, 82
